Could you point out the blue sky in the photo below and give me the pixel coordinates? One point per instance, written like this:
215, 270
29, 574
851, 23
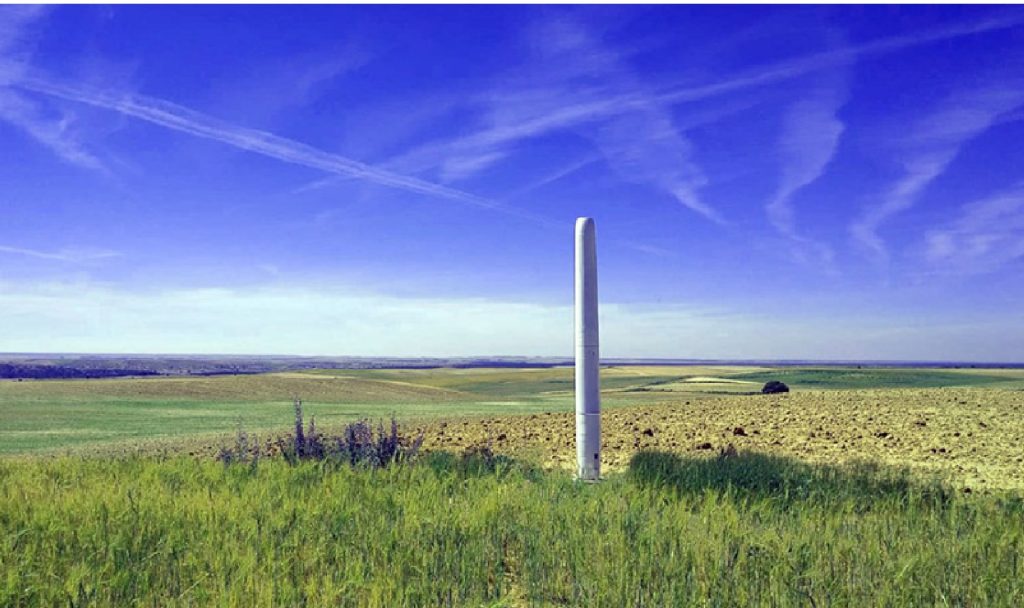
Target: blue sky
768, 182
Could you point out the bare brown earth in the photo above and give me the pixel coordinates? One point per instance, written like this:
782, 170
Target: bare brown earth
972, 438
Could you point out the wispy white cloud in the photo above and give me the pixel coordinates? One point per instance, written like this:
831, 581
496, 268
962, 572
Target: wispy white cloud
56, 133
929, 148
511, 116
282, 84
645, 147
53, 129
810, 137
15, 24
459, 167
650, 249
556, 116
192, 122
988, 234
554, 176
576, 81
575, 88
815, 62
642, 144
73, 254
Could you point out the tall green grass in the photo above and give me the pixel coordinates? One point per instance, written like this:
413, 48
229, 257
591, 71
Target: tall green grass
746, 530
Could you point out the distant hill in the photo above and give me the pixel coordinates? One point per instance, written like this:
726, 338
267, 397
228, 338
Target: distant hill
34, 366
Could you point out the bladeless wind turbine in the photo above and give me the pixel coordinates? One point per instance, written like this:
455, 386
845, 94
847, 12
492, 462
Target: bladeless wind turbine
588, 383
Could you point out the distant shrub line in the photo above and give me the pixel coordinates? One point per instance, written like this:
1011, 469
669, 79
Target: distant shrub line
49, 372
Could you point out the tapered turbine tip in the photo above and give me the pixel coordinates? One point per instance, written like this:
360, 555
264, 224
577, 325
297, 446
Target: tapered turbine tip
584, 224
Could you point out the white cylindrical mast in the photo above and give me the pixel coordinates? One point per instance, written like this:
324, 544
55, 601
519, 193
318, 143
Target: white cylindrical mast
588, 388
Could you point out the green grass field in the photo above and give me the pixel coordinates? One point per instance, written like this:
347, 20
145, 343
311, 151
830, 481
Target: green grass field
113, 526
749, 530
58, 414
40, 416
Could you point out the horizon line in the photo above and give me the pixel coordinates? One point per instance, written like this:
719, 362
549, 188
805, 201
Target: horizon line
552, 360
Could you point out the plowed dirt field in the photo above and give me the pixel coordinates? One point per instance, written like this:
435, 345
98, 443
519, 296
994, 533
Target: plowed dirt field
973, 438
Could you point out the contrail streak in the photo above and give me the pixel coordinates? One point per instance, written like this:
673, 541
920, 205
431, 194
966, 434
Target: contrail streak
818, 61
64, 255
186, 120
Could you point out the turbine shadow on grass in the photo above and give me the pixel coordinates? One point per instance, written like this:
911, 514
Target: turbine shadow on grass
760, 475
